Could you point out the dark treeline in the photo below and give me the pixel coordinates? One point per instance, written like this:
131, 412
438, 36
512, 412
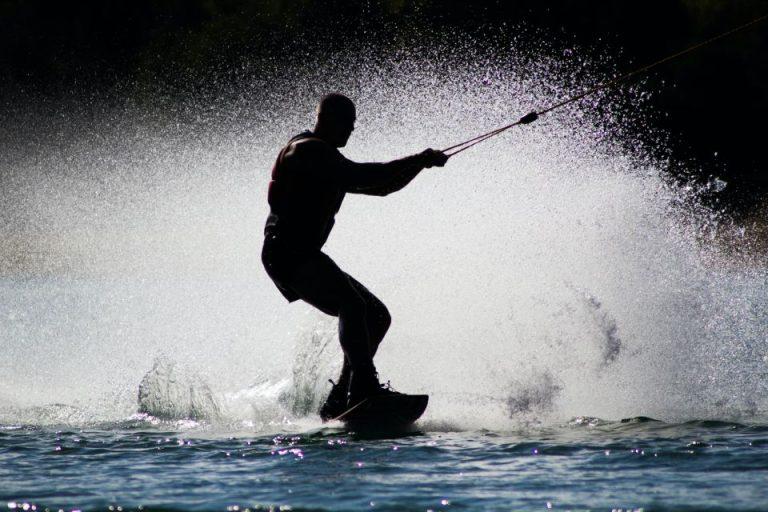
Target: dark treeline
715, 107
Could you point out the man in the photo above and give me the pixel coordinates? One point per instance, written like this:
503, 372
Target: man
309, 181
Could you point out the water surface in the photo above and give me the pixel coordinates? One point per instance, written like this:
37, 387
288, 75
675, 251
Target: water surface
584, 465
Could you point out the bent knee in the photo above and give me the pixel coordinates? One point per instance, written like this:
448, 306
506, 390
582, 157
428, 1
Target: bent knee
379, 318
383, 318
353, 304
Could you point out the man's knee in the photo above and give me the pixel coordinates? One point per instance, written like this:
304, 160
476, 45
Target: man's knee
379, 320
384, 319
352, 304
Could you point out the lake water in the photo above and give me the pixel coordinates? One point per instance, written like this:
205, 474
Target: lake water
585, 464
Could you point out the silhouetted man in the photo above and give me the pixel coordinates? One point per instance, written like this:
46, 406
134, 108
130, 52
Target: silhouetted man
309, 181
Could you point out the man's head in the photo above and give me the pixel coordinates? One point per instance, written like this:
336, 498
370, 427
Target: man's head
335, 119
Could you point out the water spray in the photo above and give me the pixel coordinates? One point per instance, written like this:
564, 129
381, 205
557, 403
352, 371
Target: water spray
610, 84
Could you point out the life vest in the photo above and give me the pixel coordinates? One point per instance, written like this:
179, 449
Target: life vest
303, 200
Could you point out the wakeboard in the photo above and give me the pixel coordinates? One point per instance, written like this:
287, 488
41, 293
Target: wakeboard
388, 411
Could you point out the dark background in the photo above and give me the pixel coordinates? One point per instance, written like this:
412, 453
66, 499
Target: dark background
713, 102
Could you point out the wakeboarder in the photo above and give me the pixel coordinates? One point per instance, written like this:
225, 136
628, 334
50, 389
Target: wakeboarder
309, 181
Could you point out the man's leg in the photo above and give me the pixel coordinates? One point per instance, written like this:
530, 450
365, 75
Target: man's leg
377, 316
377, 319
322, 284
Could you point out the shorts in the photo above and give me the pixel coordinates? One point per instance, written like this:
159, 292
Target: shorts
310, 275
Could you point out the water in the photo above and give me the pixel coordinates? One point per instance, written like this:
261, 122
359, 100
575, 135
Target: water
585, 464
543, 286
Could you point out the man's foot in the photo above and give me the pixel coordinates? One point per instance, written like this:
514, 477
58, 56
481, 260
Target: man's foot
336, 403
366, 385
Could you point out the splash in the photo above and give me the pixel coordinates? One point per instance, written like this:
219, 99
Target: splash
552, 272
167, 392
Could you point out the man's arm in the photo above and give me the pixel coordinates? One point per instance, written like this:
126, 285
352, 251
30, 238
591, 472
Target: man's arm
361, 178
381, 179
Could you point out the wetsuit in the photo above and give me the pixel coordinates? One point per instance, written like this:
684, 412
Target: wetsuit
309, 181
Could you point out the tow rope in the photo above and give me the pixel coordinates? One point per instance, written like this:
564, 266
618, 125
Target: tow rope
532, 116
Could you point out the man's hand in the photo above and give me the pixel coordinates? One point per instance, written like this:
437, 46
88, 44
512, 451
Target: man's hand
433, 158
